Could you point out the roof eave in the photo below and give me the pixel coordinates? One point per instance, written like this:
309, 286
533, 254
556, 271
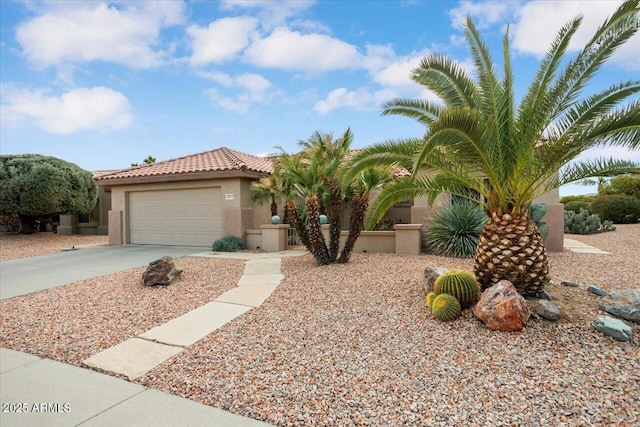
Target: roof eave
195, 176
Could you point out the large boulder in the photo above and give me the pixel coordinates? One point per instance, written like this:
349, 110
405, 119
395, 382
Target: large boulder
430, 276
624, 304
502, 308
162, 271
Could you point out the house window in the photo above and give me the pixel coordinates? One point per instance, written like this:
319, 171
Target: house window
93, 216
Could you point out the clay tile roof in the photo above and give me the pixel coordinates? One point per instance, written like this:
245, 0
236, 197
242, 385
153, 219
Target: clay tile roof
220, 159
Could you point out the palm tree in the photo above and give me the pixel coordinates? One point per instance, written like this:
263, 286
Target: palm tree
481, 139
266, 190
316, 175
359, 189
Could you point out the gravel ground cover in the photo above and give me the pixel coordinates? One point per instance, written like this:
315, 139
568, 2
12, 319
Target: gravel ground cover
354, 345
73, 322
13, 246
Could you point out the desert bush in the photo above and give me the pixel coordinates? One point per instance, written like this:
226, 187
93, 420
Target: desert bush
617, 208
576, 205
580, 198
584, 222
624, 184
455, 230
228, 244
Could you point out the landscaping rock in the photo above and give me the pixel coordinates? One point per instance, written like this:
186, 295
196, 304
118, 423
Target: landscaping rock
624, 304
547, 310
502, 308
614, 328
545, 295
430, 276
570, 283
162, 271
598, 291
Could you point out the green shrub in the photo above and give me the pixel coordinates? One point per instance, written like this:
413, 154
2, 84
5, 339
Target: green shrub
617, 208
581, 198
459, 283
455, 231
445, 307
584, 222
228, 244
624, 184
576, 205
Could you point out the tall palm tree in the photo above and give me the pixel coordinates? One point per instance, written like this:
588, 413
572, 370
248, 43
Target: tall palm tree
511, 152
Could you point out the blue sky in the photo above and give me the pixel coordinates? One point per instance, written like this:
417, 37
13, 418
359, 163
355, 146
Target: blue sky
104, 84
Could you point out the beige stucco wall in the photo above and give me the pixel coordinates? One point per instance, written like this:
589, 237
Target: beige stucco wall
237, 208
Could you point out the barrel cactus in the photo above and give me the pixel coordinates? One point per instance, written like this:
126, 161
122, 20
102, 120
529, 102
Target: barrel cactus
445, 307
459, 283
430, 297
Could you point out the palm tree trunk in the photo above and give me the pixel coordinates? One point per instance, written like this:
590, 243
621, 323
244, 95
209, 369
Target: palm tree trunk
335, 210
298, 225
356, 225
511, 248
274, 206
318, 245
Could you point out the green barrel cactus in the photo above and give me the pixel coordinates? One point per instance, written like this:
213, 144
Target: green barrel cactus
459, 283
430, 297
445, 307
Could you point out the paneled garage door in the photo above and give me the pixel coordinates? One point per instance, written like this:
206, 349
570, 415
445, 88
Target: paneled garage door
187, 217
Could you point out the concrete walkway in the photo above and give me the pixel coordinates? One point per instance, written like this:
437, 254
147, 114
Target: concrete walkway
583, 248
54, 394
138, 355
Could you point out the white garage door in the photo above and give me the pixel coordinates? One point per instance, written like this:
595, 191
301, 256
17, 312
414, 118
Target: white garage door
187, 217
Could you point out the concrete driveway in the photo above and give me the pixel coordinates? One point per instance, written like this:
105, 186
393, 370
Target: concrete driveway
26, 275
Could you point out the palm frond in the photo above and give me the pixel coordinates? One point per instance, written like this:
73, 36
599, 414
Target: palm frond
602, 167
448, 80
423, 111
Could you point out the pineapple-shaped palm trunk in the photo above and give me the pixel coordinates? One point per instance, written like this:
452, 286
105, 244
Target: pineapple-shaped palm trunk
511, 248
316, 238
335, 210
274, 206
293, 214
356, 225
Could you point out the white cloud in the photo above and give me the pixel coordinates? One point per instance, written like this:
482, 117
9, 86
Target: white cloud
484, 14
339, 98
125, 33
540, 21
96, 108
291, 50
221, 40
254, 89
271, 13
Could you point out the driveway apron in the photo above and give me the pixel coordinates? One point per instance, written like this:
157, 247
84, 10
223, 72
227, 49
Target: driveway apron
27, 275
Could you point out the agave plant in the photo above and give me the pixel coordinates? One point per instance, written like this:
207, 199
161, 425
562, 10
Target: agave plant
508, 151
455, 231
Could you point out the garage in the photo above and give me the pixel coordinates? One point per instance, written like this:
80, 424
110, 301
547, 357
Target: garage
180, 217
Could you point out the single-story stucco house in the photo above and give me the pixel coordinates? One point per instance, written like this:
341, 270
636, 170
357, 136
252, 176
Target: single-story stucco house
196, 199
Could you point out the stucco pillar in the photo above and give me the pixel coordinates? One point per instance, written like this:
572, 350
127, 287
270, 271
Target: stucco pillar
274, 237
68, 224
555, 221
408, 239
115, 228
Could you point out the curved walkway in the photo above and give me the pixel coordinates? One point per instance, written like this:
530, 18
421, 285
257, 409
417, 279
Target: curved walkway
44, 392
